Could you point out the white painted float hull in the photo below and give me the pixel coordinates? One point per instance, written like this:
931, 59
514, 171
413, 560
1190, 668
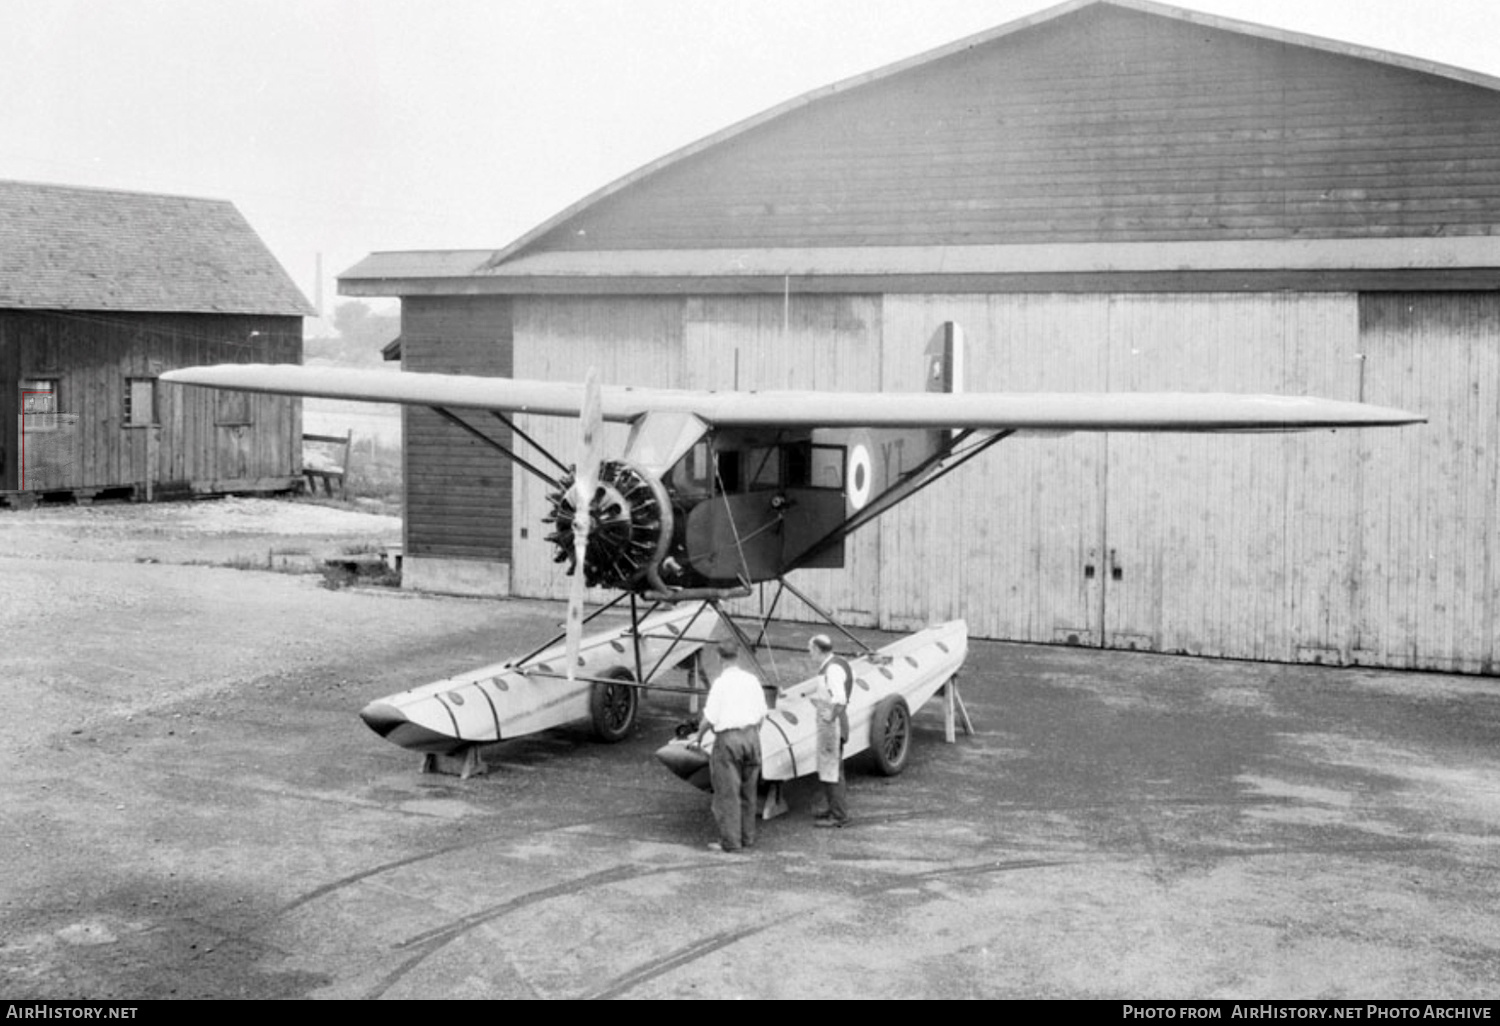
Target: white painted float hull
507, 700
914, 667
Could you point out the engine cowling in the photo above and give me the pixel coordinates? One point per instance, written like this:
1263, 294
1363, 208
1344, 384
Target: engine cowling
630, 525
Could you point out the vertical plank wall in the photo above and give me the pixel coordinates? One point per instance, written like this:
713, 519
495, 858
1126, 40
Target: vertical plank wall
1005, 541
1426, 596
1206, 556
1371, 547
629, 341
92, 357
797, 342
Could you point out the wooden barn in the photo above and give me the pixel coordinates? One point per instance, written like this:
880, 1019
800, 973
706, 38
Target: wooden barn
100, 292
1108, 195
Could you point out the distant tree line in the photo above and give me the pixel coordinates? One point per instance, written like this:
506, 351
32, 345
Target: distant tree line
362, 333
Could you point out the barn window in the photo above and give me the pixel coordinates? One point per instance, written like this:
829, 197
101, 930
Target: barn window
140, 402
233, 408
39, 404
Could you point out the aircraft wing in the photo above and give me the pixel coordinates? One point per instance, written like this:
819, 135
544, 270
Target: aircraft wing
1026, 411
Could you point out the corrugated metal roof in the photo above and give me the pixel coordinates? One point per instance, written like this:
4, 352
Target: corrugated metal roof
71, 248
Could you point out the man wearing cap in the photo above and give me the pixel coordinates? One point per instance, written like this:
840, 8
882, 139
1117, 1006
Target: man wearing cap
735, 708
830, 699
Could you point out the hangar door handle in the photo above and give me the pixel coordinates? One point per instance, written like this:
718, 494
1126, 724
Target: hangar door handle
1115, 573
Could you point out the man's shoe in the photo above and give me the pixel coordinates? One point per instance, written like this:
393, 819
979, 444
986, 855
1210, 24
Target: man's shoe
829, 821
716, 846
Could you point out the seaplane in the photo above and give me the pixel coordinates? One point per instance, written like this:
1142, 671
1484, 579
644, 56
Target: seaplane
715, 493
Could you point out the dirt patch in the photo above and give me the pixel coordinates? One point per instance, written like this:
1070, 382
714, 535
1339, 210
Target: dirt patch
190, 532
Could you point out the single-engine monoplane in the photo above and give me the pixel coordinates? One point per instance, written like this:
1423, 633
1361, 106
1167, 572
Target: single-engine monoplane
713, 493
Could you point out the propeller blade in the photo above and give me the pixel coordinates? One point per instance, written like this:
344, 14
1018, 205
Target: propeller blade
585, 483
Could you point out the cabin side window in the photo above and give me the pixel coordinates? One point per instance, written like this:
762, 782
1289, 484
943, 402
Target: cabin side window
815, 466
827, 467
140, 402
762, 468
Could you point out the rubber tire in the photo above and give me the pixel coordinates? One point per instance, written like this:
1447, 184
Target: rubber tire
890, 735
613, 708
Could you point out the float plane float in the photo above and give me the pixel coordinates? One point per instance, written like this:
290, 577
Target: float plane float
718, 491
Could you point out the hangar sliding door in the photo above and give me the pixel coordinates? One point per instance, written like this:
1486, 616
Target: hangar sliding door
1373, 547
1229, 545
1210, 544
1006, 542
1428, 591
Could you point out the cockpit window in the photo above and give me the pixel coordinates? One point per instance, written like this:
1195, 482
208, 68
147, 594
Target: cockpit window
693, 474
762, 468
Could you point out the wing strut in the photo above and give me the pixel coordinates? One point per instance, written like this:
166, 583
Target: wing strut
935, 467
487, 440
825, 614
562, 635
538, 446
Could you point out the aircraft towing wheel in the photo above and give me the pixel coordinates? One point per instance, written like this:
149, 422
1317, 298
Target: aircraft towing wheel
613, 707
890, 735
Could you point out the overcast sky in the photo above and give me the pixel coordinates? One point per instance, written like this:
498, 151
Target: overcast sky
341, 127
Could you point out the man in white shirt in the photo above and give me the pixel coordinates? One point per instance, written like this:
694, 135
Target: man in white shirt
836, 679
735, 709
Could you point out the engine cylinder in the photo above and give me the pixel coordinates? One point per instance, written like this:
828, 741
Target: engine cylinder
630, 525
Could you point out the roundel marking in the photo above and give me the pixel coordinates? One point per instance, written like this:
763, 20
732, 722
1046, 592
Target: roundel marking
861, 477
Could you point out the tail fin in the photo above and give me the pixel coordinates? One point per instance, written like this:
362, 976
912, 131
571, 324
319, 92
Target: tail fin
945, 359
880, 457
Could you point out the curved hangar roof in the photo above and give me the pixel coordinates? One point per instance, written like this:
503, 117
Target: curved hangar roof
1096, 138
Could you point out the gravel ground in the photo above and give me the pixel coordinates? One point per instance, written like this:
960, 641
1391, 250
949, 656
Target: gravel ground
192, 809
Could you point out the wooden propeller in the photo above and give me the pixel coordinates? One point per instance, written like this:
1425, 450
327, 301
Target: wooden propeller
585, 485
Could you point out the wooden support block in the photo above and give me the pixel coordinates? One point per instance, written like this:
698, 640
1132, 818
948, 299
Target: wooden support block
465, 766
954, 712
775, 803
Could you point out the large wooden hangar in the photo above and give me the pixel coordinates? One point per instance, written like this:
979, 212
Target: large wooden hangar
1108, 195
101, 291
